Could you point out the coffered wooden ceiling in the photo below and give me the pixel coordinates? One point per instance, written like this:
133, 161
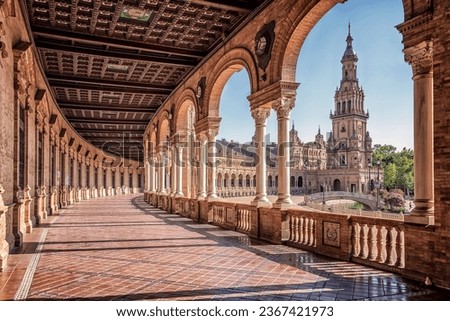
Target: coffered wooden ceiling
111, 64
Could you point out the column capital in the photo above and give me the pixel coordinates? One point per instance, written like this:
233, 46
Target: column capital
260, 115
283, 106
202, 136
420, 57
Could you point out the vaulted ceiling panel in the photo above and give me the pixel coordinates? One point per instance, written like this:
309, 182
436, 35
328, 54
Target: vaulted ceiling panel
111, 64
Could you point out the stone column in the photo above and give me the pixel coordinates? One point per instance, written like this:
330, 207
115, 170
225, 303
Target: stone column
126, 180
162, 173
179, 165
4, 246
100, 180
83, 184
202, 138
283, 107
75, 182
260, 115
109, 182
173, 170
212, 166
91, 179
151, 166
421, 59
117, 182
135, 179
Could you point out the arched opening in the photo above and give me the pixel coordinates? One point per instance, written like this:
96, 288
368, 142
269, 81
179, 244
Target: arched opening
379, 53
300, 181
185, 132
219, 180
226, 180
292, 181
336, 185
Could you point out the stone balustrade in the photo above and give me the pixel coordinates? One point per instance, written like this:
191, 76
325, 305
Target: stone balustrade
380, 241
302, 229
374, 241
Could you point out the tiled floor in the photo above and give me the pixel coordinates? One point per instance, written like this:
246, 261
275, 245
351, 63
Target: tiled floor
121, 248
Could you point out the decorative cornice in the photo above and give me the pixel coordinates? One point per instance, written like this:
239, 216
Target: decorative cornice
413, 23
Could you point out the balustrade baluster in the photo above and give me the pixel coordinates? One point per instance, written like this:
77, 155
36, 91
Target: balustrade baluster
365, 243
392, 255
401, 250
382, 245
373, 233
291, 228
306, 231
301, 229
356, 248
312, 232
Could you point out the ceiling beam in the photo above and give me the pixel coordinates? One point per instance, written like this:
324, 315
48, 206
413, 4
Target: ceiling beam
108, 131
109, 108
164, 51
117, 139
107, 85
80, 49
107, 121
237, 6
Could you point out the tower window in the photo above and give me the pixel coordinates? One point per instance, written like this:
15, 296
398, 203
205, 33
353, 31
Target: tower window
342, 160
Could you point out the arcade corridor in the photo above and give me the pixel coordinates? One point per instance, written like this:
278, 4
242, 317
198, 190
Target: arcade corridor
121, 248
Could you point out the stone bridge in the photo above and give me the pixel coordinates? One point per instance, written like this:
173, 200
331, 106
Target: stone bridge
368, 200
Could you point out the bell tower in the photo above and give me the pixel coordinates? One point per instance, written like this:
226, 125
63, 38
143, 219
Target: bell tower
349, 145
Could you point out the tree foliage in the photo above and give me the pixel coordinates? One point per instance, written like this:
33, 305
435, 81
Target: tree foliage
398, 167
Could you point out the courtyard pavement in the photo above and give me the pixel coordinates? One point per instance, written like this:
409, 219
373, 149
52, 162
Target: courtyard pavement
120, 248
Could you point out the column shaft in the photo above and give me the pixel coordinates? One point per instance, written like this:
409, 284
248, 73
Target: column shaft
260, 115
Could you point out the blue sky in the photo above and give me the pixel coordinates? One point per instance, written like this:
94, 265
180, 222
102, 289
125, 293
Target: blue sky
382, 72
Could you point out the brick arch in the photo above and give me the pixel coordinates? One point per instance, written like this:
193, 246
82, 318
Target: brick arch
152, 140
293, 30
187, 99
291, 34
233, 61
163, 128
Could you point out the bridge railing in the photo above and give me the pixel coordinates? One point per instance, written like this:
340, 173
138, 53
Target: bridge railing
339, 195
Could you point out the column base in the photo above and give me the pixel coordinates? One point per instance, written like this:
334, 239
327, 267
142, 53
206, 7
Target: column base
261, 201
212, 197
179, 194
201, 196
283, 202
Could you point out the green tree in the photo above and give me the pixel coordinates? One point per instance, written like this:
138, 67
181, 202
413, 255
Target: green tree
398, 167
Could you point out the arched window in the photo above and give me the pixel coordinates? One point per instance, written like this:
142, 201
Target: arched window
300, 181
269, 181
292, 181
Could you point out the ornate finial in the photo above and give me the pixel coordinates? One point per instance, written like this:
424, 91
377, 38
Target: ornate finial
293, 126
349, 37
319, 130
